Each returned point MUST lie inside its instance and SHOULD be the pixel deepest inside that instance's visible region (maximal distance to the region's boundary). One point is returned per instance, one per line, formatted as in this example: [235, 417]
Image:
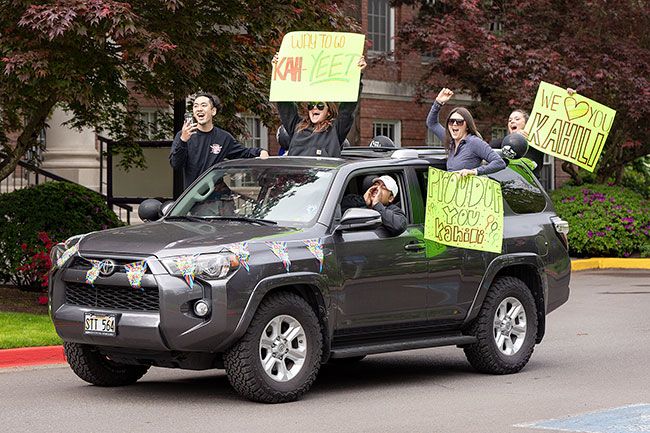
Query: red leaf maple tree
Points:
[499, 51]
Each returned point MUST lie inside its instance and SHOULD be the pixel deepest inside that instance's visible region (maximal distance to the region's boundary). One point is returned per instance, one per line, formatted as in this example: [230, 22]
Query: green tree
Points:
[499, 50]
[89, 56]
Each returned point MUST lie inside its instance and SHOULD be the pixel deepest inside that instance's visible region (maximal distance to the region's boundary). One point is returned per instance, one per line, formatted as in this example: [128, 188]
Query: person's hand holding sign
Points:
[362, 63]
[465, 172]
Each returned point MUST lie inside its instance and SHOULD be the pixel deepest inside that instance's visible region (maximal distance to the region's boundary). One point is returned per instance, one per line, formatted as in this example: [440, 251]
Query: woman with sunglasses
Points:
[516, 124]
[465, 147]
[323, 130]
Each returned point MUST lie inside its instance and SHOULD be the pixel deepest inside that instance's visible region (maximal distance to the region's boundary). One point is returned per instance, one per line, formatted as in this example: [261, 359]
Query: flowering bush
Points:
[36, 263]
[604, 220]
[32, 220]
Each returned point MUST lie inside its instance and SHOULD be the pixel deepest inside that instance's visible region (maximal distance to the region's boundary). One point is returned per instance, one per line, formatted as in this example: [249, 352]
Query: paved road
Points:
[596, 355]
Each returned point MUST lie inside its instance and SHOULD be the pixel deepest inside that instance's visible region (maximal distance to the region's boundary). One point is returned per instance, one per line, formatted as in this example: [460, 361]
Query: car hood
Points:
[164, 239]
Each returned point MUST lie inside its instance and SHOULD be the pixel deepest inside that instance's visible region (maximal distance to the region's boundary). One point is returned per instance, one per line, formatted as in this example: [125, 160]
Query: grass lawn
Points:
[26, 330]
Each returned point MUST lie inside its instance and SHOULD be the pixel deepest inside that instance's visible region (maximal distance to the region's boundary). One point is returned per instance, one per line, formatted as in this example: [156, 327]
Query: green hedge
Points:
[605, 221]
[33, 219]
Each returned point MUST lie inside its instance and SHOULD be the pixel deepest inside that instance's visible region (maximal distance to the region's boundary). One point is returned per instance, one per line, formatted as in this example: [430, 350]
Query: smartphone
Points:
[189, 117]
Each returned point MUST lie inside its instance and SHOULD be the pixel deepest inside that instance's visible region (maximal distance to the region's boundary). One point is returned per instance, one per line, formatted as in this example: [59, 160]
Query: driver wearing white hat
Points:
[380, 197]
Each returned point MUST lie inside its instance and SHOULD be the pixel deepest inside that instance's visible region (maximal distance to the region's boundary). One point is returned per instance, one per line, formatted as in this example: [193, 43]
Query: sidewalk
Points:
[30, 356]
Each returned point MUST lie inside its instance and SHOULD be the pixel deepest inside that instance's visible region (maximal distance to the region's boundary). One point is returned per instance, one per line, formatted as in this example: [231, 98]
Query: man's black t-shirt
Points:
[205, 149]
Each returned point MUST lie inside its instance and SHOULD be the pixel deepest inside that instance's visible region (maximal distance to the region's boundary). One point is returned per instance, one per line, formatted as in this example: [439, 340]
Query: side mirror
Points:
[150, 210]
[166, 206]
[359, 218]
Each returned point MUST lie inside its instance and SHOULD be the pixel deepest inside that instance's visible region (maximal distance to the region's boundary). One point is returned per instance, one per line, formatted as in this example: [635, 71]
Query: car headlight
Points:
[73, 240]
[56, 252]
[208, 266]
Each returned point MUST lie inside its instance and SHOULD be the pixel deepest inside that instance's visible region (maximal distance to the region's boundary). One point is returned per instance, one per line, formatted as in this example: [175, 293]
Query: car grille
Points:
[112, 297]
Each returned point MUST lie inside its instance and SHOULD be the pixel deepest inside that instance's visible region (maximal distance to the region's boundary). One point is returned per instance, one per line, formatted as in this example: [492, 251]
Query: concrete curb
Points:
[28, 356]
[609, 263]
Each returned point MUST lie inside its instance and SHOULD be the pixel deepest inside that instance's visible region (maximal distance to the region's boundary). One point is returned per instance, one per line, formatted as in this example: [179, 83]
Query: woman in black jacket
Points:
[323, 130]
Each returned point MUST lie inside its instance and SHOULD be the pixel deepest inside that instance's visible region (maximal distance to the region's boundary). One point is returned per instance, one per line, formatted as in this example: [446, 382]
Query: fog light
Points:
[201, 308]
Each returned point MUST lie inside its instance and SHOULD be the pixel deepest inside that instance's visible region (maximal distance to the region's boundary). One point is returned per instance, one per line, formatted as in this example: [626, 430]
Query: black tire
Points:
[346, 361]
[243, 360]
[93, 367]
[485, 355]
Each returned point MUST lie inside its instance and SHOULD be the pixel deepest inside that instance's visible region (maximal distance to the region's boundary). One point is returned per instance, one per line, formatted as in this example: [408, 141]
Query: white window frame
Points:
[549, 163]
[433, 140]
[499, 132]
[148, 115]
[397, 129]
[262, 140]
[391, 32]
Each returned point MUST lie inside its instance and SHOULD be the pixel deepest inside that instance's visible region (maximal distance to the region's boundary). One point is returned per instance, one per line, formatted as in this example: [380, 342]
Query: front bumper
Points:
[166, 325]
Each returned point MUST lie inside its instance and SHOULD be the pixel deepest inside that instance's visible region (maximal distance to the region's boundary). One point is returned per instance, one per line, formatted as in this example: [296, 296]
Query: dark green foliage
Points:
[58, 210]
[605, 221]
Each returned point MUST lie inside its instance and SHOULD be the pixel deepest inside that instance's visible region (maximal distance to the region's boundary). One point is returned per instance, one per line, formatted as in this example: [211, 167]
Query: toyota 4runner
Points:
[255, 269]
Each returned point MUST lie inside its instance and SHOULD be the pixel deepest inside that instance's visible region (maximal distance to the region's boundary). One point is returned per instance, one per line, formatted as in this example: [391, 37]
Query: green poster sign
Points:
[464, 212]
[318, 66]
[570, 127]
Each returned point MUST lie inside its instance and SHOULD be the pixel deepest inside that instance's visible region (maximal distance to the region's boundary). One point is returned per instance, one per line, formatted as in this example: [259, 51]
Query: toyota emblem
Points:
[106, 268]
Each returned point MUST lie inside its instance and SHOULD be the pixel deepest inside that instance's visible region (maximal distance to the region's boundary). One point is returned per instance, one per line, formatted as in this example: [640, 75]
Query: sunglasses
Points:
[319, 105]
[456, 122]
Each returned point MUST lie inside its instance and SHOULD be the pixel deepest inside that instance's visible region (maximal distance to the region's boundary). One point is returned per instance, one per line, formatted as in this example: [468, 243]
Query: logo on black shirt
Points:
[215, 149]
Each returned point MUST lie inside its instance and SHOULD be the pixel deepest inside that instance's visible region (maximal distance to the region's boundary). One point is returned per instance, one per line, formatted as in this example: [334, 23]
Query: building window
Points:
[499, 132]
[155, 124]
[547, 177]
[381, 26]
[433, 140]
[257, 134]
[389, 128]
[496, 27]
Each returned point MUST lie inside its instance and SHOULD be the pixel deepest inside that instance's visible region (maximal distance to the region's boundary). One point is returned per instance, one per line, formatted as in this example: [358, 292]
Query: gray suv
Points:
[255, 269]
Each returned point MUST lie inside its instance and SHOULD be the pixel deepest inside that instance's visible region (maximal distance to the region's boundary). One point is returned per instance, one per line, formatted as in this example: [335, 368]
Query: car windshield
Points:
[283, 195]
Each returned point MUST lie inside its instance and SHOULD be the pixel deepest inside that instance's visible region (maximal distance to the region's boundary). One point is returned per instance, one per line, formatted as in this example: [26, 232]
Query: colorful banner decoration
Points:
[93, 272]
[135, 272]
[187, 266]
[464, 212]
[315, 246]
[281, 251]
[318, 66]
[67, 254]
[240, 249]
[570, 127]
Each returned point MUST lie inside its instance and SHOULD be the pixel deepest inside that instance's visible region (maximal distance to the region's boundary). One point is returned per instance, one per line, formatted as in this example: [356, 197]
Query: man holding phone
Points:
[199, 144]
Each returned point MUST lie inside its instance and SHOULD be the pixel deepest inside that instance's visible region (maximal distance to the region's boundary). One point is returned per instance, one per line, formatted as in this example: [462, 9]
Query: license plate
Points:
[99, 324]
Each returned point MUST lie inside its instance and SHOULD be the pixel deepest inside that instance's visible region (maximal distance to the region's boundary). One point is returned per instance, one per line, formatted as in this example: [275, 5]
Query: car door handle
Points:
[414, 246]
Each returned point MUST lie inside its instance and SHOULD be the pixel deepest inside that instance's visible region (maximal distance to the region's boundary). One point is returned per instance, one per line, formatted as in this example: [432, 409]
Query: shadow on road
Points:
[383, 372]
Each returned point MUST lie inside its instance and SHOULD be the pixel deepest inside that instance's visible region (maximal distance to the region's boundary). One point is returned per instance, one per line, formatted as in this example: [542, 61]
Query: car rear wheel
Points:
[506, 328]
[93, 367]
[278, 357]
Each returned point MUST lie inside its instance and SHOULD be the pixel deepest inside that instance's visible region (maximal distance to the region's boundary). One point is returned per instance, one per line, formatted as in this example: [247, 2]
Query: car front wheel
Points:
[278, 357]
[506, 328]
[93, 367]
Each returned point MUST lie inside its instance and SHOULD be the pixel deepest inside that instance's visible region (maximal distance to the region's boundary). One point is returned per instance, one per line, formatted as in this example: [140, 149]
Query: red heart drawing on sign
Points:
[575, 110]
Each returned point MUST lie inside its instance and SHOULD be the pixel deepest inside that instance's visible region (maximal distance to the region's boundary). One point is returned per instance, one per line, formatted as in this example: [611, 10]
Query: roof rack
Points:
[393, 152]
[396, 152]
